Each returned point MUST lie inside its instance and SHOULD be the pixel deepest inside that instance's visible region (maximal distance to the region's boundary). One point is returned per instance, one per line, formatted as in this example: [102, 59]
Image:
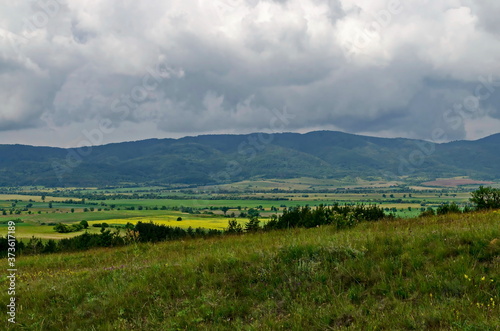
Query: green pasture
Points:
[433, 273]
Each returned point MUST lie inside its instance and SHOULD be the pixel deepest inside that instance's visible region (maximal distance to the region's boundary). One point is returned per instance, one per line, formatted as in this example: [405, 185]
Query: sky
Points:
[75, 73]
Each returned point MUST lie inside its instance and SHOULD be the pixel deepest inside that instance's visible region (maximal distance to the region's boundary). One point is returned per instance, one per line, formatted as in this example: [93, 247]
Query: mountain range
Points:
[215, 159]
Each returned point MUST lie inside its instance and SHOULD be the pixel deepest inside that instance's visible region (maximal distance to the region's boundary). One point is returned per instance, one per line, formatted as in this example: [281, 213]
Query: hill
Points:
[439, 273]
[215, 159]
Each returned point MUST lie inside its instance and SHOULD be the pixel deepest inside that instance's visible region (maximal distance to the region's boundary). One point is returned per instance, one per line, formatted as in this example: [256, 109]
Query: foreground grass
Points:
[434, 273]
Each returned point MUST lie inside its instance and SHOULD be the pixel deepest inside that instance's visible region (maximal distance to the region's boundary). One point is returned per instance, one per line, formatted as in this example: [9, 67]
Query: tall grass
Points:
[440, 272]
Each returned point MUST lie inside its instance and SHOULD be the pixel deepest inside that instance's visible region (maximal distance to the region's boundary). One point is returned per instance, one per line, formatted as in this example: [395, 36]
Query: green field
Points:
[34, 227]
[438, 273]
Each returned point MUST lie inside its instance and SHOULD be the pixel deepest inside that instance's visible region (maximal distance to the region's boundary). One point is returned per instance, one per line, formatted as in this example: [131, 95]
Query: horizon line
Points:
[248, 134]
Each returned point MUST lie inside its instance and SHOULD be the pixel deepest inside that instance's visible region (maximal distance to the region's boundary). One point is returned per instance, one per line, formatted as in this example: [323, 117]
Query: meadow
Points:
[439, 272]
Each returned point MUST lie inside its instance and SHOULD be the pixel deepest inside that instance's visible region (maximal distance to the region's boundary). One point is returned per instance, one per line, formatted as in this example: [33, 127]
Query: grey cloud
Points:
[487, 11]
[229, 63]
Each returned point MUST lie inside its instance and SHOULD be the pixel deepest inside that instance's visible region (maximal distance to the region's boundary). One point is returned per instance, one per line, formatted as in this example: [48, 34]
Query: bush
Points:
[486, 198]
[62, 228]
[65, 228]
[448, 208]
[428, 212]
[252, 225]
[271, 224]
[85, 241]
[233, 227]
[50, 247]
[341, 216]
[344, 221]
[76, 227]
[253, 213]
[150, 232]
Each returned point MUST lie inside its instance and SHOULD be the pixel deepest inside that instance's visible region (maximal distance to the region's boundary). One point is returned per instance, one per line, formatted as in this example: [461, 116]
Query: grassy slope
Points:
[435, 273]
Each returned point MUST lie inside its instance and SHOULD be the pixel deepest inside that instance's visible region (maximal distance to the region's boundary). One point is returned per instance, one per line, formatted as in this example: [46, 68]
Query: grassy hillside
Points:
[432, 273]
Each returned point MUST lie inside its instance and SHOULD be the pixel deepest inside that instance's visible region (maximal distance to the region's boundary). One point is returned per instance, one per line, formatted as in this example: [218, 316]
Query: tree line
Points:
[484, 198]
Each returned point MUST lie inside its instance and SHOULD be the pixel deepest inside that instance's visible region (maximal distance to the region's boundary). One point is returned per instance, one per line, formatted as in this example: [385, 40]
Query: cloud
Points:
[389, 68]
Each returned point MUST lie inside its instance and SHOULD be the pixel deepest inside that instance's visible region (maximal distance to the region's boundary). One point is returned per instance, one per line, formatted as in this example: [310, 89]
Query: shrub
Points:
[62, 228]
[150, 232]
[448, 208]
[428, 212]
[50, 247]
[65, 228]
[233, 227]
[76, 227]
[344, 221]
[252, 225]
[486, 198]
[342, 216]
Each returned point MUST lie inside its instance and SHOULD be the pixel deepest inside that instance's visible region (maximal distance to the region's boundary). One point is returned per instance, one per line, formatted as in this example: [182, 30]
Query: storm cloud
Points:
[138, 69]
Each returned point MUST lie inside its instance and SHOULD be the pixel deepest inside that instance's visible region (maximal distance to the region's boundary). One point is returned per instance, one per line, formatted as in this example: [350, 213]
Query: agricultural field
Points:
[28, 230]
[40, 209]
[302, 184]
[33, 198]
[218, 223]
[454, 182]
[36, 225]
[25, 231]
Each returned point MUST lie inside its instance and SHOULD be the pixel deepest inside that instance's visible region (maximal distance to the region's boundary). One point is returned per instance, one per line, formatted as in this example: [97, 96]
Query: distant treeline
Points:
[340, 216]
[307, 217]
[123, 196]
[108, 194]
[484, 198]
